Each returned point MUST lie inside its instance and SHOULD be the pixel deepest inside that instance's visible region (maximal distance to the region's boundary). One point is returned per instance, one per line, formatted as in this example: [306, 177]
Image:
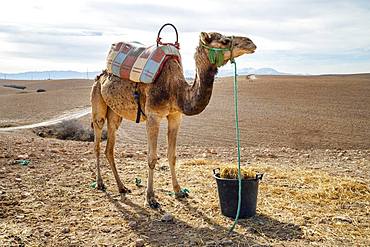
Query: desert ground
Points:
[309, 135]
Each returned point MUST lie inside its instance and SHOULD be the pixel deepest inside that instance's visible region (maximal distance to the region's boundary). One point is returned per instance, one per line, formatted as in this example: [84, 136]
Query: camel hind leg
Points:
[174, 122]
[113, 122]
[98, 114]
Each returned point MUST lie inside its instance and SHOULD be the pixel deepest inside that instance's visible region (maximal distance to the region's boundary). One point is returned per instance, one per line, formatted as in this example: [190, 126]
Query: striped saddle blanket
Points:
[139, 64]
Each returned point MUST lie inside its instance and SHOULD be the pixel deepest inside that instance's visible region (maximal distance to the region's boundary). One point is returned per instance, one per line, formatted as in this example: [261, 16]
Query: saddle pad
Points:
[139, 64]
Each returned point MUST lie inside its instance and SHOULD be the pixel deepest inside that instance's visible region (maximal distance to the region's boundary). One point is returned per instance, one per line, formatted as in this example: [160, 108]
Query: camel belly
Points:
[118, 95]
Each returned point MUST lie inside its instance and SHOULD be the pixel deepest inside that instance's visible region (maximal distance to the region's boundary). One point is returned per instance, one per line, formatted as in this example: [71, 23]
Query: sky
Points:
[293, 36]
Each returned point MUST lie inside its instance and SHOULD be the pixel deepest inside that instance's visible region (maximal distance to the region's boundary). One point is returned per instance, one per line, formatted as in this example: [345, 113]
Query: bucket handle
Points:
[216, 171]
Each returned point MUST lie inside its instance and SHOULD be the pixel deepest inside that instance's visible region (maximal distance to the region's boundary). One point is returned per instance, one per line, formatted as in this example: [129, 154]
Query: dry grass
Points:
[231, 172]
[325, 208]
[50, 202]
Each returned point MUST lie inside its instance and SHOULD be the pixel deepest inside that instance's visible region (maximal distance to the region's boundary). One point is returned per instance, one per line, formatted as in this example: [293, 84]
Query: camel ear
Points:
[205, 38]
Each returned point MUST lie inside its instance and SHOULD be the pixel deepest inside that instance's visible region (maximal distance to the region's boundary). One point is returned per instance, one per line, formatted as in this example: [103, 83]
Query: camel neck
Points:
[194, 99]
[206, 71]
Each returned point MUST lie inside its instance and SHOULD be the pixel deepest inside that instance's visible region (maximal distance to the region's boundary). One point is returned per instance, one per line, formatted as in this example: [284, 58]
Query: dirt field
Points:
[291, 111]
[26, 106]
[310, 136]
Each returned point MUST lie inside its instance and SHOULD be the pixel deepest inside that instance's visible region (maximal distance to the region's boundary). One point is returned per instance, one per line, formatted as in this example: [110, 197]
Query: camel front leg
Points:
[152, 128]
[174, 121]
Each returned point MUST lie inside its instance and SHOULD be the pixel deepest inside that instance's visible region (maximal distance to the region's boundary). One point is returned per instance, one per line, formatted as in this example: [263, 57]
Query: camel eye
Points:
[225, 41]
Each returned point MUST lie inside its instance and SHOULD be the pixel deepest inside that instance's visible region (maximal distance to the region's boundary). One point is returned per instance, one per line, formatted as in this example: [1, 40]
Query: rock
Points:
[323, 221]
[20, 216]
[18, 179]
[139, 242]
[132, 224]
[342, 218]
[65, 230]
[55, 150]
[23, 156]
[211, 151]
[271, 155]
[226, 242]
[10, 162]
[129, 155]
[210, 243]
[25, 195]
[167, 217]
[41, 134]
[47, 234]
[306, 155]
[105, 229]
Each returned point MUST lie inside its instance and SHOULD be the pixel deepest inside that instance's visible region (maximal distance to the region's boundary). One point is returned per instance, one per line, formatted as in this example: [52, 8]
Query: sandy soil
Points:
[18, 107]
[308, 135]
[294, 111]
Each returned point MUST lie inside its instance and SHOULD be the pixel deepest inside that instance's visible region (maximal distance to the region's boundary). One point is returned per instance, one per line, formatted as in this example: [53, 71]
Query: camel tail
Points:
[99, 108]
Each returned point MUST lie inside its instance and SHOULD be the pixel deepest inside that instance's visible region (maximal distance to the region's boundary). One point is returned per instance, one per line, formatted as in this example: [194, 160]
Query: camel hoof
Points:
[152, 202]
[100, 186]
[124, 190]
[181, 194]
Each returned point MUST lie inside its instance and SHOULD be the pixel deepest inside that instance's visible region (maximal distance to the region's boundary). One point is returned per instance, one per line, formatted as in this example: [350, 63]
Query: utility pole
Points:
[87, 73]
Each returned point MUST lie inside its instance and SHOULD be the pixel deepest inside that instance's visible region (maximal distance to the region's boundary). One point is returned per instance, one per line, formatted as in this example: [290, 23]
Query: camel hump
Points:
[138, 63]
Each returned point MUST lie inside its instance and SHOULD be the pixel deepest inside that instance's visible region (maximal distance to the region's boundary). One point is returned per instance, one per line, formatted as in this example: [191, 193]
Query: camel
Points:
[169, 96]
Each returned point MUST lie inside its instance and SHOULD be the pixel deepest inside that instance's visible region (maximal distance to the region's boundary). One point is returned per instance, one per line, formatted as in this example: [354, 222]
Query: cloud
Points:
[298, 36]
[49, 31]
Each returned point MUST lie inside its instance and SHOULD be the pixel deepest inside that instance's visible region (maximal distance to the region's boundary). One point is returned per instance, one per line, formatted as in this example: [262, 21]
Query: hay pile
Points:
[231, 172]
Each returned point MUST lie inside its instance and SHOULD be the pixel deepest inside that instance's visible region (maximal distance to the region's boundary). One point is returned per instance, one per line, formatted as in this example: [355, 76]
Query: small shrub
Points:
[69, 130]
[40, 90]
[16, 87]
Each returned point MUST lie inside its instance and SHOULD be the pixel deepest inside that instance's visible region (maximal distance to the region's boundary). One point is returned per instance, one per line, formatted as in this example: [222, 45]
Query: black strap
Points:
[139, 110]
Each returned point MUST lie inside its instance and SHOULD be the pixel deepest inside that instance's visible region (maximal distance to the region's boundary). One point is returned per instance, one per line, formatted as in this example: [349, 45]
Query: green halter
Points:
[216, 55]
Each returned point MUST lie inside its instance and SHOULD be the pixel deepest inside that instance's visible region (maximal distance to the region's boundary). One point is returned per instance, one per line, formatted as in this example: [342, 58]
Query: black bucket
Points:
[228, 194]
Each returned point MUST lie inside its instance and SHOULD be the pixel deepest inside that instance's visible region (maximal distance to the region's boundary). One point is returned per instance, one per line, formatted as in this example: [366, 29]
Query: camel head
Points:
[225, 46]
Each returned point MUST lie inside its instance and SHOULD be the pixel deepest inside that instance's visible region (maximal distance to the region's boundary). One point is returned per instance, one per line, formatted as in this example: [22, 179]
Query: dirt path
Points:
[67, 116]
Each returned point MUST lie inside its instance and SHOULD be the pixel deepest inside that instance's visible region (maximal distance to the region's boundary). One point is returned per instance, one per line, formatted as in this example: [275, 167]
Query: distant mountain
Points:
[241, 71]
[248, 71]
[69, 74]
[52, 75]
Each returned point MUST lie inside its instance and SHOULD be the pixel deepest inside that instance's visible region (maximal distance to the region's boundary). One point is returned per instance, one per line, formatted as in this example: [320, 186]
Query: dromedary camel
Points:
[169, 96]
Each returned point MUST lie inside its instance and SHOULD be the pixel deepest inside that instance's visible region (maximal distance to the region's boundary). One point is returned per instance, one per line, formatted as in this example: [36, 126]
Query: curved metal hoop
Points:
[176, 44]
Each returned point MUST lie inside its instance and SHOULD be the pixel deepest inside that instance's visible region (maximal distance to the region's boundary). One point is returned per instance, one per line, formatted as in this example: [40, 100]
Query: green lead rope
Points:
[216, 56]
[238, 145]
